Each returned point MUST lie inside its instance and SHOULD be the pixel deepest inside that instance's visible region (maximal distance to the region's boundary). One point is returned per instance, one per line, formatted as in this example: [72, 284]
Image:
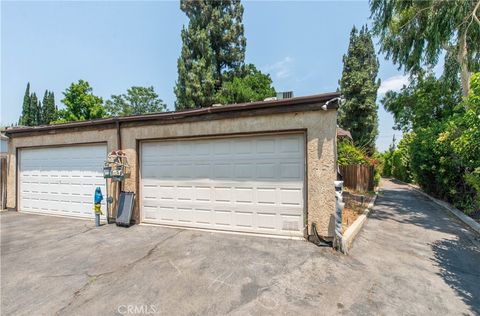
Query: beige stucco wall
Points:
[320, 129]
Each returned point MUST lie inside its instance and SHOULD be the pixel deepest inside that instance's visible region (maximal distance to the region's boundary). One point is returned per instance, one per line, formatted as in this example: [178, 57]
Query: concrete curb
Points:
[459, 214]
[352, 231]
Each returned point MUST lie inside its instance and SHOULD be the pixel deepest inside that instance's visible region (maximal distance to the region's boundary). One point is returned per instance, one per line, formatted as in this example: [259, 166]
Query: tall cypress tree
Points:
[33, 110]
[52, 100]
[359, 85]
[25, 118]
[49, 110]
[39, 113]
[45, 108]
[213, 48]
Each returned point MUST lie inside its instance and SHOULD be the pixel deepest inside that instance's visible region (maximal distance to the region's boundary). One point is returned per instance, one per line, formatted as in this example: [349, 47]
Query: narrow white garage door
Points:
[61, 180]
[250, 184]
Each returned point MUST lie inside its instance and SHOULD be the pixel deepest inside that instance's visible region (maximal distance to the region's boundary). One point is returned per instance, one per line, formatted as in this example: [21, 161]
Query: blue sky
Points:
[114, 45]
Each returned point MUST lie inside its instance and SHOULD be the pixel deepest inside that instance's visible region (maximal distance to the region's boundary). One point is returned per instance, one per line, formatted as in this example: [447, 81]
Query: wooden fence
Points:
[3, 182]
[358, 177]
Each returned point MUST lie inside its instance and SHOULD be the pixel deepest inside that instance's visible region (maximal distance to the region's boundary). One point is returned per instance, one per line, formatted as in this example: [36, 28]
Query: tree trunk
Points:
[463, 62]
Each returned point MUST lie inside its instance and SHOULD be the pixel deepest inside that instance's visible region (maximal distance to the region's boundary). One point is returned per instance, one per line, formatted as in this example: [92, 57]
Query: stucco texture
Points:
[319, 127]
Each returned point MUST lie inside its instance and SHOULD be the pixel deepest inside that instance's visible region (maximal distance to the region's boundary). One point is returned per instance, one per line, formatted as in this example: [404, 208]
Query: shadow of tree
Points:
[408, 210]
[459, 263]
[458, 257]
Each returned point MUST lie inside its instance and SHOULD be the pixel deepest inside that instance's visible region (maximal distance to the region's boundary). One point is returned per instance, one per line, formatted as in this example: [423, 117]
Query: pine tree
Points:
[213, 49]
[49, 110]
[25, 118]
[39, 113]
[359, 85]
[34, 116]
[45, 108]
[52, 99]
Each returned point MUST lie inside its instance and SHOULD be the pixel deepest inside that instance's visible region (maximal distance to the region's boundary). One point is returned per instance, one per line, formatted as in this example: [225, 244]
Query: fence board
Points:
[358, 177]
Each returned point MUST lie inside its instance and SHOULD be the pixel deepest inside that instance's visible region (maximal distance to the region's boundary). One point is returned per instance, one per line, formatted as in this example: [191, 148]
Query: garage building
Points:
[261, 167]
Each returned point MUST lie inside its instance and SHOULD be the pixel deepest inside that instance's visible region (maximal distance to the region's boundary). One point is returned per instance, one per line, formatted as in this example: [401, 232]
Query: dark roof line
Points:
[317, 98]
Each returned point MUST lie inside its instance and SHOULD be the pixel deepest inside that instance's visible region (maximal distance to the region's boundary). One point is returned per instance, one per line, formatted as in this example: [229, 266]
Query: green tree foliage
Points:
[49, 109]
[35, 110]
[26, 118]
[462, 133]
[398, 162]
[213, 47]
[359, 85]
[251, 85]
[415, 33]
[81, 104]
[441, 154]
[464, 130]
[348, 154]
[387, 163]
[138, 100]
[423, 101]
[386, 159]
[401, 161]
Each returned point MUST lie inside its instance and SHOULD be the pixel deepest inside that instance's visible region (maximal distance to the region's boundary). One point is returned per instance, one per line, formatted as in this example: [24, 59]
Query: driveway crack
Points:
[149, 252]
[76, 234]
[92, 278]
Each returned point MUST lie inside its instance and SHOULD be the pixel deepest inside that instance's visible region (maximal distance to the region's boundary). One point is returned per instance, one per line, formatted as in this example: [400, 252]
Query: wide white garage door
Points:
[61, 180]
[250, 184]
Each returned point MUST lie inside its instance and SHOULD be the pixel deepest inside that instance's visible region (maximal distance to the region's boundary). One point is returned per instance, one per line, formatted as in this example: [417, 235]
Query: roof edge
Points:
[331, 100]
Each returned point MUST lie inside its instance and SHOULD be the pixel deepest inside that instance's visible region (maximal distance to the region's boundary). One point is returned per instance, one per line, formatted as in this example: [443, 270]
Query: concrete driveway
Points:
[410, 259]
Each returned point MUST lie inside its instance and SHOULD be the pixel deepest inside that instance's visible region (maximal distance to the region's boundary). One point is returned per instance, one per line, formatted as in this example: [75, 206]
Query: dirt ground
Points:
[355, 204]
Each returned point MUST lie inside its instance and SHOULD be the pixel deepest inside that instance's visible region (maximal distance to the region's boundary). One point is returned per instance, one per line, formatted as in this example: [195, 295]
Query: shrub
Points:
[348, 154]
[379, 163]
[387, 163]
[442, 154]
[400, 161]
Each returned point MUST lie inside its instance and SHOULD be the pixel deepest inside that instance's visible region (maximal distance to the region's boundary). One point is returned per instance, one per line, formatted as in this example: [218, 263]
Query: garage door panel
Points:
[203, 193]
[244, 195]
[291, 222]
[203, 216]
[61, 180]
[185, 215]
[291, 196]
[267, 220]
[252, 184]
[223, 218]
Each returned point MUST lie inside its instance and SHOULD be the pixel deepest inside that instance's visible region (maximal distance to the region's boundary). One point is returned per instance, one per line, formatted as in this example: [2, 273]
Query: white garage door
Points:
[250, 184]
[61, 180]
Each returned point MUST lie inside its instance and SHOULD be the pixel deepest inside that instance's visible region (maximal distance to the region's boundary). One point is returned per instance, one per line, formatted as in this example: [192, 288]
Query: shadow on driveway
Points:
[411, 258]
[459, 267]
[457, 254]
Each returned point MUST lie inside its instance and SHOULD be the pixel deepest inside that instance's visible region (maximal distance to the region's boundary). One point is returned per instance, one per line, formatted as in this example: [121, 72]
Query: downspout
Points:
[119, 135]
[119, 145]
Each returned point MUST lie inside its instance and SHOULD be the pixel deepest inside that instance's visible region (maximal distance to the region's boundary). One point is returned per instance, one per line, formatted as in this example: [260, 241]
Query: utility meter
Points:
[107, 171]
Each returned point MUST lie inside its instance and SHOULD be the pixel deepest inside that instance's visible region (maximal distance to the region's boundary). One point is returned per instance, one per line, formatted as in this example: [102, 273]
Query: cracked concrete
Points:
[411, 258]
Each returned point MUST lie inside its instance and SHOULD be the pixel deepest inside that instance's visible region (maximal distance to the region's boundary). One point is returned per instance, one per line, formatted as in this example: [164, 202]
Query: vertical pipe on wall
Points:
[119, 135]
[119, 147]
